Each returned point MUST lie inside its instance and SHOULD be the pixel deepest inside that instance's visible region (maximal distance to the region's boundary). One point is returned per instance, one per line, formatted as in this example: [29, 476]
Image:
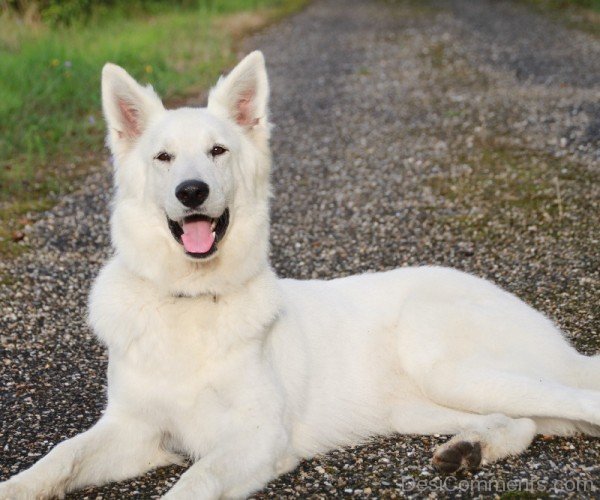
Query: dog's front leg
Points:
[238, 467]
[116, 448]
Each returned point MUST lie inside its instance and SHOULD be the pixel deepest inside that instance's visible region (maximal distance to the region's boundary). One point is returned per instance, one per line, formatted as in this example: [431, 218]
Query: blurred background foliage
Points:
[587, 4]
[569, 7]
[51, 56]
[69, 12]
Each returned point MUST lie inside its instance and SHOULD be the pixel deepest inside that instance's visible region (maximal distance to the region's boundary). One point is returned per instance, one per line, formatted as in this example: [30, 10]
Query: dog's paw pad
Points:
[455, 456]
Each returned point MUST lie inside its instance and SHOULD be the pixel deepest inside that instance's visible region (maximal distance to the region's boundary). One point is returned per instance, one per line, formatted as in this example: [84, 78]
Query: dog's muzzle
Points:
[199, 234]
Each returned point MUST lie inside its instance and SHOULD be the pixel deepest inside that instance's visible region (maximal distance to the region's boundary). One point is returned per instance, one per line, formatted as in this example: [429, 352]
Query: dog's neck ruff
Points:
[263, 273]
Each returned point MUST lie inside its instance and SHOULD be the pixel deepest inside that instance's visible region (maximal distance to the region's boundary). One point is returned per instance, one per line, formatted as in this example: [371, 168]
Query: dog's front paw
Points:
[16, 490]
[202, 487]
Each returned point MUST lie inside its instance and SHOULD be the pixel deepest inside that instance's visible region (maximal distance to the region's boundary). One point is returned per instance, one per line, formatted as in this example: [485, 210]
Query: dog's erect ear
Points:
[243, 95]
[128, 107]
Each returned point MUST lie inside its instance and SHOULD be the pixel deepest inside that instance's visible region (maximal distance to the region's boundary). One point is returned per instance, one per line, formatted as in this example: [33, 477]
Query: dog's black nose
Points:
[192, 193]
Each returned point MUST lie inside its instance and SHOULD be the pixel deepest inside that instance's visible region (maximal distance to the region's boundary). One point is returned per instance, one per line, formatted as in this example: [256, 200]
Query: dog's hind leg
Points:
[564, 427]
[478, 439]
[476, 388]
[114, 449]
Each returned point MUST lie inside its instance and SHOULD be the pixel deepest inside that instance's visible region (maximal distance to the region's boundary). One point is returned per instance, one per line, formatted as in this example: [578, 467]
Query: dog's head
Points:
[191, 207]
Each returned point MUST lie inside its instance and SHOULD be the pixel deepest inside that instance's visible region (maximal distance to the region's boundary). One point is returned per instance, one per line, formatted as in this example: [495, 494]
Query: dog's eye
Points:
[217, 150]
[163, 156]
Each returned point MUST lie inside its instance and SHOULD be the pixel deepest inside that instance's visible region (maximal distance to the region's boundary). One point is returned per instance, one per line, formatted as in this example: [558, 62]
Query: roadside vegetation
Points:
[561, 4]
[578, 14]
[51, 55]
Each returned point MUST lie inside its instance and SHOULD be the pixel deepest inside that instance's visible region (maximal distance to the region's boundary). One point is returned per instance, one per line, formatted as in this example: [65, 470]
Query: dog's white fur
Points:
[245, 373]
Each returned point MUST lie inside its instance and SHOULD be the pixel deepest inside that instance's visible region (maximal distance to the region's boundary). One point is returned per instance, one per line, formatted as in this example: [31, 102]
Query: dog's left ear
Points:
[243, 95]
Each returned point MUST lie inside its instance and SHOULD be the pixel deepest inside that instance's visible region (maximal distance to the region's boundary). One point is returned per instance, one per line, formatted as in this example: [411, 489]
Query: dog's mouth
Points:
[199, 234]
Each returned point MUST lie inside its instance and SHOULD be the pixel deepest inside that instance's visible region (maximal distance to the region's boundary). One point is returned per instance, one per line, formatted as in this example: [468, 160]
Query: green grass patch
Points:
[499, 187]
[578, 14]
[51, 127]
[568, 4]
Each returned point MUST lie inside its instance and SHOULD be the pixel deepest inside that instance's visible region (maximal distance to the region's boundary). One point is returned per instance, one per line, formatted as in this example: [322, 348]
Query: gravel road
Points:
[461, 133]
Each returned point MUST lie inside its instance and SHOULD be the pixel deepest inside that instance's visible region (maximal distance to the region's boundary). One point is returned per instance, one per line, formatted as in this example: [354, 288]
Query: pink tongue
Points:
[197, 236]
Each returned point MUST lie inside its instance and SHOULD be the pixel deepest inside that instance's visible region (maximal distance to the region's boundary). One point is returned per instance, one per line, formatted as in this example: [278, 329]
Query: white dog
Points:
[213, 357]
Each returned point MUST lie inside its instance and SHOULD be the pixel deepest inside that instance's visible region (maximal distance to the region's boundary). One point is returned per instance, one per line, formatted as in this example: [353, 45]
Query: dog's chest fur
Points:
[187, 364]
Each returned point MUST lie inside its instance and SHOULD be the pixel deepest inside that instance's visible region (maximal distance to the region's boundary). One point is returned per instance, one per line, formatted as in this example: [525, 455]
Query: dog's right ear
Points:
[128, 107]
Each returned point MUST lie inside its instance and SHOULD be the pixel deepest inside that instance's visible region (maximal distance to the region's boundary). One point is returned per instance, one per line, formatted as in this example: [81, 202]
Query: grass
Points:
[51, 128]
[566, 4]
[500, 187]
[579, 14]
